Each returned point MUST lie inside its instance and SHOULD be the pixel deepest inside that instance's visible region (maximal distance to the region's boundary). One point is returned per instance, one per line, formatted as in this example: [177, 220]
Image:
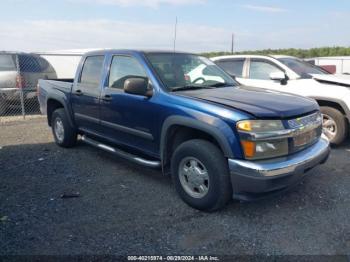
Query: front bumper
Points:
[256, 179]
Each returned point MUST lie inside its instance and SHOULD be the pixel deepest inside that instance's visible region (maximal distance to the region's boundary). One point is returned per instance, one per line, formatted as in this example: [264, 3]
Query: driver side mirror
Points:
[279, 76]
[137, 86]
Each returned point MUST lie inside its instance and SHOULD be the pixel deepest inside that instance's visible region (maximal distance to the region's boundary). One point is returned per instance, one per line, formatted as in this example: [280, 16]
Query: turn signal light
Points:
[249, 148]
[245, 126]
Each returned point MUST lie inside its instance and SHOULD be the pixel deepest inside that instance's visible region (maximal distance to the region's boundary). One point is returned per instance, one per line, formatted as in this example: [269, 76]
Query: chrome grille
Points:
[307, 130]
[306, 121]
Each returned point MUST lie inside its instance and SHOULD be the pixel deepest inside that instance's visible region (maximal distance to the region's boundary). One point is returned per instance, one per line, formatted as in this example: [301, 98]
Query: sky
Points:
[203, 25]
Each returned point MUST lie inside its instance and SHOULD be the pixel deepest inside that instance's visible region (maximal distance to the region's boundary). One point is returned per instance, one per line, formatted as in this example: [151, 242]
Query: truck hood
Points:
[257, 102]
[343, 80]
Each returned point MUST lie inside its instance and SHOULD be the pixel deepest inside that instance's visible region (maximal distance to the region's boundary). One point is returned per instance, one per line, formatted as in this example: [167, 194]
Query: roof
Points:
[250, 56]
[13, 52]
[282, 56]
[77, 52]
[132, 51]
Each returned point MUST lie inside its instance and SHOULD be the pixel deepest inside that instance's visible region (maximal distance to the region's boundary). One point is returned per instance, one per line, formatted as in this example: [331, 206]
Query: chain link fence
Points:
[19, 76]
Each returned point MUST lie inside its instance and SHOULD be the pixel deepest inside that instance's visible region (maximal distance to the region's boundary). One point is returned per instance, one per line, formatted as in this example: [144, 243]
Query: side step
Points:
[128, 156]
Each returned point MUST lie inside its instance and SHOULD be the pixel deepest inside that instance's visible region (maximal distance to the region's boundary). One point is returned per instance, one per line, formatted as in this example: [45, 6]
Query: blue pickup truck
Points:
[181, 113]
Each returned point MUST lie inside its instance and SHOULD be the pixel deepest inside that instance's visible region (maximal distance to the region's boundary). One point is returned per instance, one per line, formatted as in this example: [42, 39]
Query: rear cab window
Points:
[7, 62]
[45, 66]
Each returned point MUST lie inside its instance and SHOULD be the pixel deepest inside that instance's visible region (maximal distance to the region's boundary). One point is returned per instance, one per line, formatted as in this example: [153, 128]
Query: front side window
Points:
[92, 70]
[122, 68]
[181, 71]
[7, 63]
[232, 67]
[262, 69]
[302, 68]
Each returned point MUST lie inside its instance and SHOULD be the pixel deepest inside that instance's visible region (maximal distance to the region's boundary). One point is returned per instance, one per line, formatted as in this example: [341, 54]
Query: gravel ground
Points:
[125, 209]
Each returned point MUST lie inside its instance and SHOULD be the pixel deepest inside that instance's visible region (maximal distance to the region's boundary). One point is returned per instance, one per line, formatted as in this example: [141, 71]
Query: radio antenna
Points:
[232, 42]
[175, 34]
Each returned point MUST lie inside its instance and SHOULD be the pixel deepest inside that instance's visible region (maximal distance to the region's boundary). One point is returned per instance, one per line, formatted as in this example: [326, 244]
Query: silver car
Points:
[19, 75]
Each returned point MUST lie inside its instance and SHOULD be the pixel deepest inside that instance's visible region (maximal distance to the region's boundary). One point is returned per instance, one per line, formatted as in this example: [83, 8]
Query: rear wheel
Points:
[64, 134]
[200, 175]
[334, 125]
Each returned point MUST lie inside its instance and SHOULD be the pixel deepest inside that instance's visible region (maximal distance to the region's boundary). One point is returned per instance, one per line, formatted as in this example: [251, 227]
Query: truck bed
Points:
[57, 83]
[57, 88]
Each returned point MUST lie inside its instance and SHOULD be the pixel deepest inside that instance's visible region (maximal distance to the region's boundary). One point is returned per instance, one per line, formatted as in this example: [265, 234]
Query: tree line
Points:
[302, 53]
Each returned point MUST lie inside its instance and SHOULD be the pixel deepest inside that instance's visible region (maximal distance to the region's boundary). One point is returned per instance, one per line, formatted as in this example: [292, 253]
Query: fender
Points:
[60, 97]
[342, 104]
[195, 124]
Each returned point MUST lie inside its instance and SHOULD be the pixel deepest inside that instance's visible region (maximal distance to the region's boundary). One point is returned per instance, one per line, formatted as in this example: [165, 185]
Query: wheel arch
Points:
[335, 103]
[178, 129]
[53, 103]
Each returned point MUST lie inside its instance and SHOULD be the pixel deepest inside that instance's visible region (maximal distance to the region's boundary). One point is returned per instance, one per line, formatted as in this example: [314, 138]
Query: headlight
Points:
[260, 125]
[261, 139]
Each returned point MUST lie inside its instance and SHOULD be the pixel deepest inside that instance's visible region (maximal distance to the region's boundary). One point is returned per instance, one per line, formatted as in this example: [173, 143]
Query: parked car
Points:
[332, 69]
[337, 64]
[20, 72]
[217, 139]
[292, 75]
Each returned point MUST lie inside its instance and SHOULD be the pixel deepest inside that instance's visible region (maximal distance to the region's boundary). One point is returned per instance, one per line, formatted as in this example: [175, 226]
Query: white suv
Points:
[292, 75]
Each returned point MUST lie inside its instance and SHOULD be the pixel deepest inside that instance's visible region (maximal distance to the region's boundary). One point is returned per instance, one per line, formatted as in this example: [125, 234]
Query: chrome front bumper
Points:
[253, 179]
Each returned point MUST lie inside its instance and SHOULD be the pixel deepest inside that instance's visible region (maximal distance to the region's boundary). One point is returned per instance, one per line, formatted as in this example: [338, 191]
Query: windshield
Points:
[302, 68]
[186, 71]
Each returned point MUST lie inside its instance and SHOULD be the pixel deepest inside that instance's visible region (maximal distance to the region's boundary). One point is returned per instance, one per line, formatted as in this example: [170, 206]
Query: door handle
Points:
[78, 92]
[107, 98]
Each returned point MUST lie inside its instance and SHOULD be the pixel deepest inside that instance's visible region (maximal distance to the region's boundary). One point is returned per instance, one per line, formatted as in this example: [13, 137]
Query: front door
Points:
[126, 118]
[258, 75]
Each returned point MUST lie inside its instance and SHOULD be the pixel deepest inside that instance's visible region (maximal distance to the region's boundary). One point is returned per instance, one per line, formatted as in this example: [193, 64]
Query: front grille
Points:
[305, 121]
[308, 130]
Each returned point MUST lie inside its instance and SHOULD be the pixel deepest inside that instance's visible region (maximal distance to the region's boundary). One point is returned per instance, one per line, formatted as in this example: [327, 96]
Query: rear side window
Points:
[122, 68]
[232, 67]
[45, 65]
[29, 64]
[92, 70]
[7, 63]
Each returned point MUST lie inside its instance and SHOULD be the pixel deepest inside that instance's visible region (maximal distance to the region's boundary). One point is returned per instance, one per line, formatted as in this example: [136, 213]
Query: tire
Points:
[209, 158]
[337, 129]
[64, 134]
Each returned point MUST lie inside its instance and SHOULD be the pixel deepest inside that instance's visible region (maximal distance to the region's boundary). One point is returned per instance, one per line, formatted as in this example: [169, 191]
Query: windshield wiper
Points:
[194, 87]
[219, 84]
[189, 87]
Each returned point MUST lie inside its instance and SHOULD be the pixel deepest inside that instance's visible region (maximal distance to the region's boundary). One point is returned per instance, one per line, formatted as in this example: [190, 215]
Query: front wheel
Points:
[64, 134]
[200, 175]
[334, 125]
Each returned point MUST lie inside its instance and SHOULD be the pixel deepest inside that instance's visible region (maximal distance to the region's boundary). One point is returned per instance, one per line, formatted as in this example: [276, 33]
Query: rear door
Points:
[233, 66]
[86, 94]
